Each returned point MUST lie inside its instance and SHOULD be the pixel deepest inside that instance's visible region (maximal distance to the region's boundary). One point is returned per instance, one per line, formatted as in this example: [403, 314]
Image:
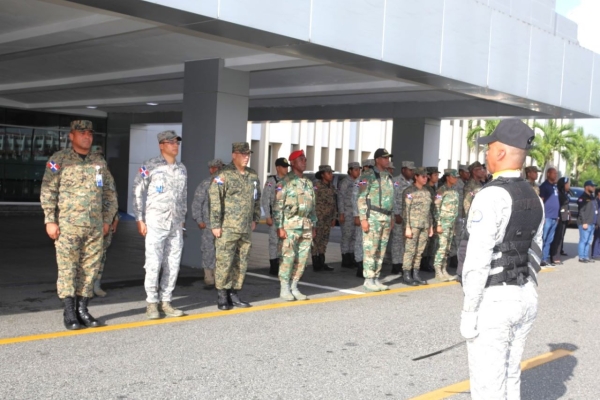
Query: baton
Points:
[435, 353]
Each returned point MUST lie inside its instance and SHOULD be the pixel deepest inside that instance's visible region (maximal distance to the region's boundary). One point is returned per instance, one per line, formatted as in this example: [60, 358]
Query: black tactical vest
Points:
[525, 219]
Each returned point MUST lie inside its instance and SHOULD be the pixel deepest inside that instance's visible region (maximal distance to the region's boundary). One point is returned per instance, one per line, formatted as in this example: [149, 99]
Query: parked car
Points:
[574, 194]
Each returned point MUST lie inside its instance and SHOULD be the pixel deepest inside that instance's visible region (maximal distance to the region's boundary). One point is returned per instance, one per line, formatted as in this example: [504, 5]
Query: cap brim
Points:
[487, 139]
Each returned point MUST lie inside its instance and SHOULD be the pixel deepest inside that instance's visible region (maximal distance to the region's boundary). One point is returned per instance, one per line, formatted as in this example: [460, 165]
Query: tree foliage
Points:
[480, 131]
[550, 138]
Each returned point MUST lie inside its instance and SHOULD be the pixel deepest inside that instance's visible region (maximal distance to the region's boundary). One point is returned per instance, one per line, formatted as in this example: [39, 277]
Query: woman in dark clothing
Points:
[596, 242]
[564, 216]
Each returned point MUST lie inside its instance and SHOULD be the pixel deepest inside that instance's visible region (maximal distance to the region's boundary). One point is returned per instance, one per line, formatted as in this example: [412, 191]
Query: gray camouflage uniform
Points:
[160, 200]
[267, 202]
[346, 206]
[201, 213]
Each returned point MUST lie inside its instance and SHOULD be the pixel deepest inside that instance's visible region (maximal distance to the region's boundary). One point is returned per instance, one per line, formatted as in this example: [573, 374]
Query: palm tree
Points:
[480, 131]
[584, 151]
[550, 139]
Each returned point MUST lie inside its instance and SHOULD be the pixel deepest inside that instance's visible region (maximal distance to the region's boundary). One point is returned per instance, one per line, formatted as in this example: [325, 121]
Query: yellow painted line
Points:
[465, 386]
[235, 311]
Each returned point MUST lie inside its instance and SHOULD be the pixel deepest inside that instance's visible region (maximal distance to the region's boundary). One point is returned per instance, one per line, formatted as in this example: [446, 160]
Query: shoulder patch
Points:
[315, 187]
[477, 216]
[409, 196]
[143, 171]
[218, 180]
[580, 200]
[54, 167]
[279, 187]
[438, 196]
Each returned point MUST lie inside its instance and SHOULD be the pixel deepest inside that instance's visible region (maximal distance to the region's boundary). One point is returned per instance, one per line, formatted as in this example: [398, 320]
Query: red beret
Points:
[296, 154]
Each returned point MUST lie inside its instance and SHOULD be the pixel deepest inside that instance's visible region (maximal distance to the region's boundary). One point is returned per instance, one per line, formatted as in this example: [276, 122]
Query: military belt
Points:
[381, 210]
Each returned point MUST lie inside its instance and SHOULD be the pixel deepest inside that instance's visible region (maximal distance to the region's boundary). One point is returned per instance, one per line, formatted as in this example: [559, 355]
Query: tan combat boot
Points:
[370, 285]
[169, 310]
[380, 285]
[209, 278]
[97, 289]
[439, 274]
[285, 293]
[296, 293]
[449, 278]
[152, 311]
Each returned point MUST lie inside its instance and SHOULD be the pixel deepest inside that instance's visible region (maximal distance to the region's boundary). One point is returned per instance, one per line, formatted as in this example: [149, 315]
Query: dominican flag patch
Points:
[396, 184]
[278, 188]
[438, 196]
[269, 184]
[144, 171]
[360, 183]
[54, 167]
[409, 196]
[315, 188]
[218, 180]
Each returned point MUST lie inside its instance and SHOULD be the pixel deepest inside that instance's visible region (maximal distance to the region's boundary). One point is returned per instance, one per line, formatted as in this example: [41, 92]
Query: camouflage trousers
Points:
[273, 243]
[294, 251]
[414, 248]
[78, 254]
[397, 239]
[163, 256]
[358, 244]
[442, 245]
[458, 227]
[105, 246]
[374, 245]
[322, 239]
[233, 249]
[348, 236]
[207, 247]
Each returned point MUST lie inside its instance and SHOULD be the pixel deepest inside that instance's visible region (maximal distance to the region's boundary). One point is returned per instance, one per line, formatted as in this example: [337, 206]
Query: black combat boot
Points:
[274, 268]
[359, 269]
[323, 265]
[83, 315]
[316, 263]
[223, 300]
[425, 264]
[235, 300]
[417, 278]
[346, 261]
[351, 262]
[69, 315]
[408, 280]
[397, 268]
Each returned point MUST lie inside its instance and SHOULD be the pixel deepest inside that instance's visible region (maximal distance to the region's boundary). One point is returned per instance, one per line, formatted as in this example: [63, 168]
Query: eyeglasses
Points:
[177, 142]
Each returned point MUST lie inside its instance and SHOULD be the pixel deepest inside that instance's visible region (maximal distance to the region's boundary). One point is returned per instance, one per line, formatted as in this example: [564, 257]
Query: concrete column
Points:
[416, 140]
[215, 114]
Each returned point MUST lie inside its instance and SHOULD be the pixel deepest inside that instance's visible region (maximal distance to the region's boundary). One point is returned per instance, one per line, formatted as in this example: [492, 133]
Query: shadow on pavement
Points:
[549, 381]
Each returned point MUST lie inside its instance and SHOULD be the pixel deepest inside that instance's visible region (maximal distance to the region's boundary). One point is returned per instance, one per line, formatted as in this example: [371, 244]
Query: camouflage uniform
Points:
[535, 186]
[294, 211]
[201, 214]
[417, 215]
[160, 201]
[268, 203]
[460, 221]
[345, 207]
[469, 192]
[397, 237]
[235, 204]
[446, 212]
[79, 195]
[325, 199]
[358, 233]
[375, 205]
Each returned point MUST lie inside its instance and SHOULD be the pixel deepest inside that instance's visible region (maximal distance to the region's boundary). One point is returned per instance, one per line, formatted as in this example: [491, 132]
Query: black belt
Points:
[381, 210]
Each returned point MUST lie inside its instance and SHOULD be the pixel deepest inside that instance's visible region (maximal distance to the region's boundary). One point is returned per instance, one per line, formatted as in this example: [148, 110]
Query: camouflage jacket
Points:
[201, 203]
[326, 201]
[470, 190]
[78, 191]
[267, 200]
[417, 210]
[535, 186]
[234, 199]
[460, 187]
[160, 193]
[344, 198]
[294, 203]
[446, 206]
[400, 183]
[374, 191]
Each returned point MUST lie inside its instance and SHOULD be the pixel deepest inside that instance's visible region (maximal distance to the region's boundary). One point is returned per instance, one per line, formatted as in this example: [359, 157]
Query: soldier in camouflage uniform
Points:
[531, 174]
[159, 206]
[268, 202]
[295, 218]
[446, 211]
[473, 185]
[358, 238]
[234, 213]
[201, 214]
[418, 220]
[326, 204]
[375, 207]
[401, 182]
[463, 173]
[346, 216]
[79, 202]
[433, 177]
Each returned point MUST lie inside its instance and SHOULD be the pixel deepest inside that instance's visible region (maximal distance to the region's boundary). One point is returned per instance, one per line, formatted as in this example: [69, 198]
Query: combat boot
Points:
[285, 293]
[359, 269]
[152, 311]
[316, 263]
[408, 280]
[347, 262]
[69, 315]
[85, 318]
[209, 278]
[169, 310]
[381, 286]
[274, 267]
[351, 262]
[449, 278]
[323, 265]
[97, 289]
[425, 264]
[370, 285]
[234, 299]
[397, 268]
[417, 278]
[296, 293]
[223, 300]
[439, 274]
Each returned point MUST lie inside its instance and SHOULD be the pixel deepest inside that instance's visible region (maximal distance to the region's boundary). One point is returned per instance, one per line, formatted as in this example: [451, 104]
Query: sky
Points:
[586, 13]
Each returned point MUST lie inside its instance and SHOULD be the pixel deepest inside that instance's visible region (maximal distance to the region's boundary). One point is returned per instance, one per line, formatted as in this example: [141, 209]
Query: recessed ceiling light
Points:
[92, 107]
[152, 104]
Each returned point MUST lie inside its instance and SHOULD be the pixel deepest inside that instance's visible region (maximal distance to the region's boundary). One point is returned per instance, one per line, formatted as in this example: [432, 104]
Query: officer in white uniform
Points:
[499, 282]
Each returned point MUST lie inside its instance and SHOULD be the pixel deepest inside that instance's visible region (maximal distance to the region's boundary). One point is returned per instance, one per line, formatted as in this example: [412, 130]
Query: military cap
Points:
[391, 165]
[353, 164]
[532, 168]
[451, 172]
[282, 162]
[325, 168]
[167, 135]
[82, 125]
[463, 167]
[512, 132]
[241, 147]
[382, 153]
[408, 164]
[476, 164]
[421, 171]
[432, 170]
[296, 154]
[589, 183]
[369, 162]
[215, 163]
